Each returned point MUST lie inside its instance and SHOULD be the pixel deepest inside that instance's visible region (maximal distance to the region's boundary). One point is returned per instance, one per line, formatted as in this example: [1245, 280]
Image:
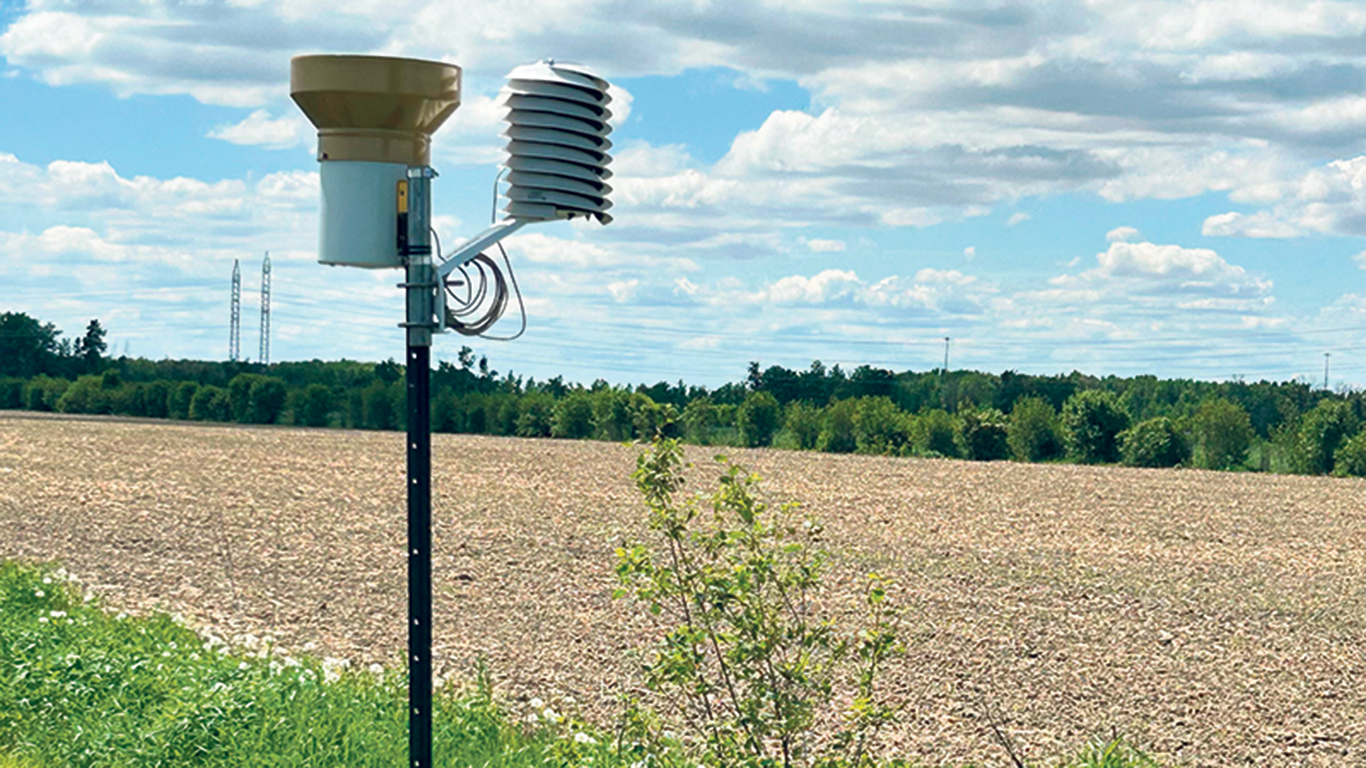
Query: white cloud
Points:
[260, 129]
[623, 290]
[818, 245]
[1122, 235]
[1328, 200]
[1019, 217]
[970, 253]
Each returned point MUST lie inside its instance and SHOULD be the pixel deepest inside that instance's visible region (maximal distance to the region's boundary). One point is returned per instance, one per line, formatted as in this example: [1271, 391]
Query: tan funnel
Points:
[374, 108]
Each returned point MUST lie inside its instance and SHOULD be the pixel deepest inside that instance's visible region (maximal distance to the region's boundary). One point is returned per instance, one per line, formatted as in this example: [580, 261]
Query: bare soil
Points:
[1215, 619]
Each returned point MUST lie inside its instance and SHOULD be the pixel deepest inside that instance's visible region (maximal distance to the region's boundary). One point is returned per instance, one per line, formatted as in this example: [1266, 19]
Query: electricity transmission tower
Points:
[264, 357]
[235, 334]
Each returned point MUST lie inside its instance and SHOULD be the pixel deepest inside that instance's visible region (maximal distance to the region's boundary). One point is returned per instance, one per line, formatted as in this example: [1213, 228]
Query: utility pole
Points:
[264, 357]
[235, 333]
[943, 373]
[1326, 356]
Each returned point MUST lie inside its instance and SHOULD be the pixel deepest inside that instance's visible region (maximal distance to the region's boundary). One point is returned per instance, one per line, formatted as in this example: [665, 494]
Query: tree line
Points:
[1138, 421]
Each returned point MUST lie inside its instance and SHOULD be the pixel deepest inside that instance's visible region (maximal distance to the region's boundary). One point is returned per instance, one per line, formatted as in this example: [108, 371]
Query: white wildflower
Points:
[39, 593]
[583, 738]
[536, 703]
[551, 715]
[244, 666]
[42, 619]
[332, 669]
[58, 614]
[47, 580]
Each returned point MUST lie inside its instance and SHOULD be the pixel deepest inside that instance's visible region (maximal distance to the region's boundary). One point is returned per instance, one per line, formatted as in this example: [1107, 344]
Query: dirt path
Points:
[1216, 619]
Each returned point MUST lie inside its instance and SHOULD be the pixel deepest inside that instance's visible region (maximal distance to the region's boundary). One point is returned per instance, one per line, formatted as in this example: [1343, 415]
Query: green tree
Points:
[758, 419]
[611, 416]
[86, 395]
[11, 393]
[880, 427]
[312, 406]
[268, 397]
[804, 422]
[1350, 459]
[1153, 443]
[837, 428]
[211, 404]
[535, 414]
[699, 419]
[378, 407]
[984, 434]
[1223, 434]
[158, 399]
[91, 347]
[573, 417]
[1322, 431]
[1092, 420]
[933, 434]
[44, 392]
[27, 347]
[239, 395]
[182, 399]
[1033, 431]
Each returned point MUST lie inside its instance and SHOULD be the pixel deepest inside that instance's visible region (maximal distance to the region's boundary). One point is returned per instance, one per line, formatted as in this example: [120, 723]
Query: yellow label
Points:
[403, 196]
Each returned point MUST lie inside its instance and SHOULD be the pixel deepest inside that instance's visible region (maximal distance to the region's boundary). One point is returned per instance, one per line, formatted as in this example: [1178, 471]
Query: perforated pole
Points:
[417, 253]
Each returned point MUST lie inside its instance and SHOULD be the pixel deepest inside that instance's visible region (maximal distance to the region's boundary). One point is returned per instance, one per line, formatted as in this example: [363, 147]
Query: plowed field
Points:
[1216, 619]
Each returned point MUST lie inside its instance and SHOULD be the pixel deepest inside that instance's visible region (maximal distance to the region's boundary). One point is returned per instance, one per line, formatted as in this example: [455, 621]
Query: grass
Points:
[80, 686]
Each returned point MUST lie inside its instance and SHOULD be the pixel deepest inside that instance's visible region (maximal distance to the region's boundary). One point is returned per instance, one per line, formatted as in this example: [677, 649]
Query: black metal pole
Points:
[419, 558]
[415, 212]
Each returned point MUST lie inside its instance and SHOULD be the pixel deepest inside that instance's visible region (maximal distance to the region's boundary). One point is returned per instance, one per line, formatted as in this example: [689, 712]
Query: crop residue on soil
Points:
[1216, 619]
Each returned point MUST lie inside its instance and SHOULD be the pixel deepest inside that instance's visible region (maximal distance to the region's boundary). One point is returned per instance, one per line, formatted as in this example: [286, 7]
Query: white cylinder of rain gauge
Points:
[359, 226]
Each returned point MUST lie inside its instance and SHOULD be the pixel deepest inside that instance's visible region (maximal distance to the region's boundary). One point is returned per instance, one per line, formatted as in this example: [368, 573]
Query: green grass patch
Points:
[86, 688]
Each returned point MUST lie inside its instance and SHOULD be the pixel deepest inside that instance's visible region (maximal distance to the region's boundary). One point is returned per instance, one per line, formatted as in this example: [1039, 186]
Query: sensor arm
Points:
[462, 255]
[477, 244]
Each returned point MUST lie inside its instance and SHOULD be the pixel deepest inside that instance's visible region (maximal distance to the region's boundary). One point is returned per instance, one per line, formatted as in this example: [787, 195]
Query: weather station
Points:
[375, 117]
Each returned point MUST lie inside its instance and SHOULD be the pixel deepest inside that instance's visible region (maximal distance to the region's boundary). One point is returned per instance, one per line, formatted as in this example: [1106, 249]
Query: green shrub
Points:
[43, 392]
[11, 393]
[211, 404]
[573, 417]
[803, 421]
[1092, 420]
[239, 396]
[267, 398]
[650, 419]
[181, 398]
[611, 415]
[837, 428]
[757, 419]
[880, 427]
[700, 418]
[1153, 443]
[984, 435]
[85, 395]
[535, 414]
[157, 401]
[732, 582]
[312, 406]
[933, 433]
[1223, 434]
[1350, 459]
[1033, 431]
[1321, 432]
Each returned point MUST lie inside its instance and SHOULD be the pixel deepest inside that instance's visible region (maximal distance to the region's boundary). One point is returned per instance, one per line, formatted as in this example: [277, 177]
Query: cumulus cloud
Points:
[1019, 217]
[260, 129]
[1327, 200]
[921, 114]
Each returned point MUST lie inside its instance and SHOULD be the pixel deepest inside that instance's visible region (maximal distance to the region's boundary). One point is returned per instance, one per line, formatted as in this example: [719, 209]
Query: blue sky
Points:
[1115, 186]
